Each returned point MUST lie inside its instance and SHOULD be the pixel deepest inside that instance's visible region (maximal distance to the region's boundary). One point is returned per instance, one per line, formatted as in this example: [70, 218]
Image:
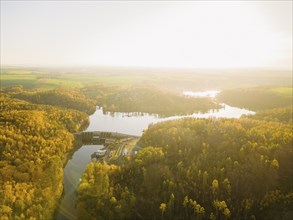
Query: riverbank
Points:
[68, 156]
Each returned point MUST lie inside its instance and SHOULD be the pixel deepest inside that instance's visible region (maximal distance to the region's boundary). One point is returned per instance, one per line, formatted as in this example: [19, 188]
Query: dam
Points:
[101, 137]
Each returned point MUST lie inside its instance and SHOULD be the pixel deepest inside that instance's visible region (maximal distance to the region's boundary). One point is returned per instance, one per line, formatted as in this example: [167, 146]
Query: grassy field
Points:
[171, 79]
[32, 79]
[288, 91]
[21, 78]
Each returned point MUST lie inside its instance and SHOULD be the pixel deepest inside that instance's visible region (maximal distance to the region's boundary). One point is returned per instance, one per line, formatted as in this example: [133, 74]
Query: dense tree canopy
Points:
[197, 169]
[259, 98]
[65, 98]
[34, 140]
[283, 115]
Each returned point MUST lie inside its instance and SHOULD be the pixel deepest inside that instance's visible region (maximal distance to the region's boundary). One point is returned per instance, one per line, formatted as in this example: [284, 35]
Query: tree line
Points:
[256, 99]
[148, 100]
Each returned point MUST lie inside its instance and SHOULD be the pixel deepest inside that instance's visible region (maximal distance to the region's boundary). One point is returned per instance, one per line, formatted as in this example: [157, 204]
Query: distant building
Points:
[100, 152]
[124, 152]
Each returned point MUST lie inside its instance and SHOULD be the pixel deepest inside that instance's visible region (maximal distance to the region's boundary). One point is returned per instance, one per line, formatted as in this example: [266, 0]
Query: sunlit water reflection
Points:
[72, 174]
[135, 123]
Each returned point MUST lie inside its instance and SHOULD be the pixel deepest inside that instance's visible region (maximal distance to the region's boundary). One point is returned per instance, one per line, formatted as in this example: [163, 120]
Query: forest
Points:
[146, 110]
[37, 127]
[115, 99]
[34, 142]
[197, 169]
[149, 100]
[185, 169]
[258, 98]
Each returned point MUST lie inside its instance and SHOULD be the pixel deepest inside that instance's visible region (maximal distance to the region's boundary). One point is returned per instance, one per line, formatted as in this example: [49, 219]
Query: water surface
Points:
[135, 123]
[208, 93]
[72, 174]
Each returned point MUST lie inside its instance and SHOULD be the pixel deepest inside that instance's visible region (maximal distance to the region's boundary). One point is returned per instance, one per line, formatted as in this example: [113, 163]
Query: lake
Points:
[135, 123]
[126, 123]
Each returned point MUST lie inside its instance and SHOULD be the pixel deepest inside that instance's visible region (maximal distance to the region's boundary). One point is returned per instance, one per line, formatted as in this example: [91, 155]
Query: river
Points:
[127, 123]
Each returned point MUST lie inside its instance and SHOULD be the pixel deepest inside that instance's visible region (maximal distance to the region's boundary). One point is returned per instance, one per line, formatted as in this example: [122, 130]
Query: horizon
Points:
[96, 67]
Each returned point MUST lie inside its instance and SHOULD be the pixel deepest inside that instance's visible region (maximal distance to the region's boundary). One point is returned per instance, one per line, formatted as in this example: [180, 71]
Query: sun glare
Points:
[212, 34]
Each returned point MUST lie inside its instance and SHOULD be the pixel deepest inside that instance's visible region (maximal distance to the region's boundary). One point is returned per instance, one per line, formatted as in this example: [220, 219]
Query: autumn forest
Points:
[186, 168]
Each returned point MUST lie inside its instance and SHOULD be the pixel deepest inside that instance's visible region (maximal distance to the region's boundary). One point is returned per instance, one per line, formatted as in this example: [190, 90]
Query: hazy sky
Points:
[189, 34]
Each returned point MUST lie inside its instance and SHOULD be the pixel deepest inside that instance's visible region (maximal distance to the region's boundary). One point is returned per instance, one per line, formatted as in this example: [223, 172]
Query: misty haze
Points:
[146, 110]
